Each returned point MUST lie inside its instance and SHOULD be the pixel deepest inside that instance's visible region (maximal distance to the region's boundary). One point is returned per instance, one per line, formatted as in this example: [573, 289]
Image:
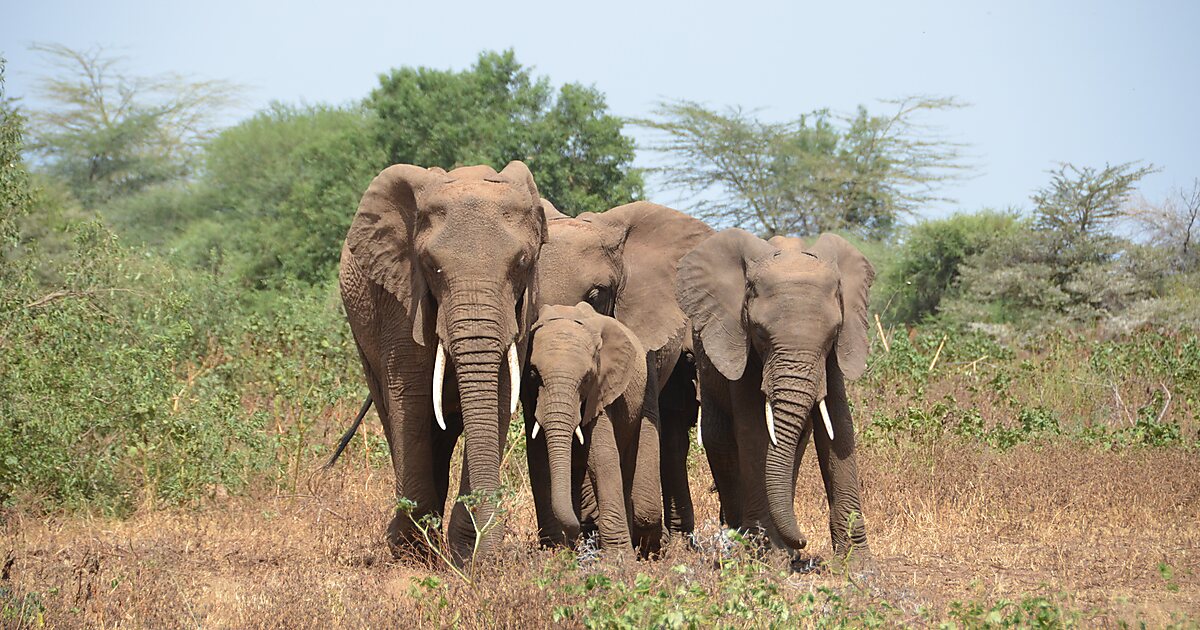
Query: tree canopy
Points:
[1066, 263]
[815, 173]
[497, 111]
[106, 133]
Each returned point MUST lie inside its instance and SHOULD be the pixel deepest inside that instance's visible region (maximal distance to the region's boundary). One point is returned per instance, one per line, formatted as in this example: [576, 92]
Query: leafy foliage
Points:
[806, 176]
[16, 191]
[287, 181]
[497, 111]
[1066, 265]
[927, 265]
[106, 133]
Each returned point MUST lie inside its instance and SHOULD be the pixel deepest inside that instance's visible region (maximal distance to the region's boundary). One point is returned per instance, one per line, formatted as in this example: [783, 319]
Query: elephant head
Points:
[801, 313]
[458, 250]
[580, 362]
[622, 262]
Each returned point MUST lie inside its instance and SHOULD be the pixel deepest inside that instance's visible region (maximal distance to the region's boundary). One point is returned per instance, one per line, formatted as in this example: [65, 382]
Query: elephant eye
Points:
[600, 298]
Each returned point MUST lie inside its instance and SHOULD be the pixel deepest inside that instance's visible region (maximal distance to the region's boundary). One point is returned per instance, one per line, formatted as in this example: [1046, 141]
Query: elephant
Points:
[438, 281]
[622, 262]
[778, 328]
[590, 373]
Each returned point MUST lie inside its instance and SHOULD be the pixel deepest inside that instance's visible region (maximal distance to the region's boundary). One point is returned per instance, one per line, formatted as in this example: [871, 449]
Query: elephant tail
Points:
[349, 434]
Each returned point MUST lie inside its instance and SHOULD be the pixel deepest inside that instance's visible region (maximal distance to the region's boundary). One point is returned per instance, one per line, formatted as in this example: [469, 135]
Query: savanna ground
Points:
[1033, 486]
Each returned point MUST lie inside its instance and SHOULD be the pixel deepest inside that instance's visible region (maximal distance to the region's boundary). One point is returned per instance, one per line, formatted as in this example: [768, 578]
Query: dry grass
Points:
[948, 521]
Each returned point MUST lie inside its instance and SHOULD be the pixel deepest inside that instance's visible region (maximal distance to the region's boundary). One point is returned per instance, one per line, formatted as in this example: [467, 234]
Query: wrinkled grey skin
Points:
[443, 257]
[623, 263]
[589, 372]
[786, 323]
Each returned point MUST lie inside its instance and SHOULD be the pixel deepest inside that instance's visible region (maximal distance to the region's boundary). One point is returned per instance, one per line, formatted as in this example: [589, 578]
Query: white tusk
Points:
[771, 424]
[699, 437]
[439, 374]
[536, 427]
[514, 379]
[825, 417]
[579, 434]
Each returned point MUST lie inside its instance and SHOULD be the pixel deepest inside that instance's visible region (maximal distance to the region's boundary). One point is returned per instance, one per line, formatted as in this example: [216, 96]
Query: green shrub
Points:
[927, 261]
[133, 381]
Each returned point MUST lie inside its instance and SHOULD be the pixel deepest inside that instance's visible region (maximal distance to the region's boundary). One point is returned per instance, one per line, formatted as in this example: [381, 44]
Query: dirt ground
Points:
[1114, 534]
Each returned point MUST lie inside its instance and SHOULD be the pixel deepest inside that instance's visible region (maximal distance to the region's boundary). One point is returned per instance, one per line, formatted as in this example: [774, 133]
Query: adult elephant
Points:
[778, 328]
[437, 277]
[622, 262]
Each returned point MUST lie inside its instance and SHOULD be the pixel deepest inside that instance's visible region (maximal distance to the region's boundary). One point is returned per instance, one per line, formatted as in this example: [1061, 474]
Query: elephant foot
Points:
[858, 565]
[648, 542]
[406, 541]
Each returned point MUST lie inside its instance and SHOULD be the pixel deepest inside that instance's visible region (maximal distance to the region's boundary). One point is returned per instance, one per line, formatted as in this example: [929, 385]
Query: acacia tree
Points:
[497, 111]
[1067, 263]
[106, 133]
[818, 172]
[1084, 202]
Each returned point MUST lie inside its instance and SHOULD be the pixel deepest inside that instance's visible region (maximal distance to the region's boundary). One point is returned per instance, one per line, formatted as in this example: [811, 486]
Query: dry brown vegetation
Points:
[1026, 487]
[1088, 528]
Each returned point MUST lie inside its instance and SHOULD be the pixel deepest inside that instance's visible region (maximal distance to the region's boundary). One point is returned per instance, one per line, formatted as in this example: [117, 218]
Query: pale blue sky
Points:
[1085, 82]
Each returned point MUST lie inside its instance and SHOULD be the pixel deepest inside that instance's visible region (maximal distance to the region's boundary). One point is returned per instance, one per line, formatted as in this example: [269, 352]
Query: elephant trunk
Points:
[560, 419]
[789, 401]
[477, 345]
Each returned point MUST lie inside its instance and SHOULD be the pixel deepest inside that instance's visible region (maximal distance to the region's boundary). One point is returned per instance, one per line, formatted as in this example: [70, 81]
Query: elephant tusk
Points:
[536, 427]
[825, 417]
[771, 423]
[439, 374]
[514, 379]
[579, 434]
[699, 437]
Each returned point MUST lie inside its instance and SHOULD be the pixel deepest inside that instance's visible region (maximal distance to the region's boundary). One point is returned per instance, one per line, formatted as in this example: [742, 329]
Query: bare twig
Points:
[938, 353]
[1166, 405]
[58, 295]
[976, 362]
[1121, 404]
[882, 337]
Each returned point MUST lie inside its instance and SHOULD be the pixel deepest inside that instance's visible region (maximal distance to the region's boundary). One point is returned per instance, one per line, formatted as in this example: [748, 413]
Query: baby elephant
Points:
[593, 433]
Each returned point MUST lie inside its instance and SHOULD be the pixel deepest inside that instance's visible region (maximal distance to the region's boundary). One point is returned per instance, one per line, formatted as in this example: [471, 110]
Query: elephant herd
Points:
[466, 293]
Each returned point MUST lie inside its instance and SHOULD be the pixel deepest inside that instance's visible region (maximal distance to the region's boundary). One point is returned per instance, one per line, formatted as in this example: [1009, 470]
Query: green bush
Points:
[927, 262]
[133, 381]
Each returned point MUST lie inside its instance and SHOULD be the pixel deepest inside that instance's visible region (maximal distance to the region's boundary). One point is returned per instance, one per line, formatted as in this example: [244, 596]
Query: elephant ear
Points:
[517, 173]
[381, 236]
[656, 237]
[712, 291]
[551, 213]
[620, 356]
[857, 275]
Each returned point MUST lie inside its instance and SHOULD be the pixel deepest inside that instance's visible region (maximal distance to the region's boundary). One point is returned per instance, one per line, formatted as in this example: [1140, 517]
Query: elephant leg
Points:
[443, 449]
[677, 410]
[583, 494]
[407, 415]
[750, 436]
[604, 475]
[720, 447]
[644, 489]
[839, 471]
